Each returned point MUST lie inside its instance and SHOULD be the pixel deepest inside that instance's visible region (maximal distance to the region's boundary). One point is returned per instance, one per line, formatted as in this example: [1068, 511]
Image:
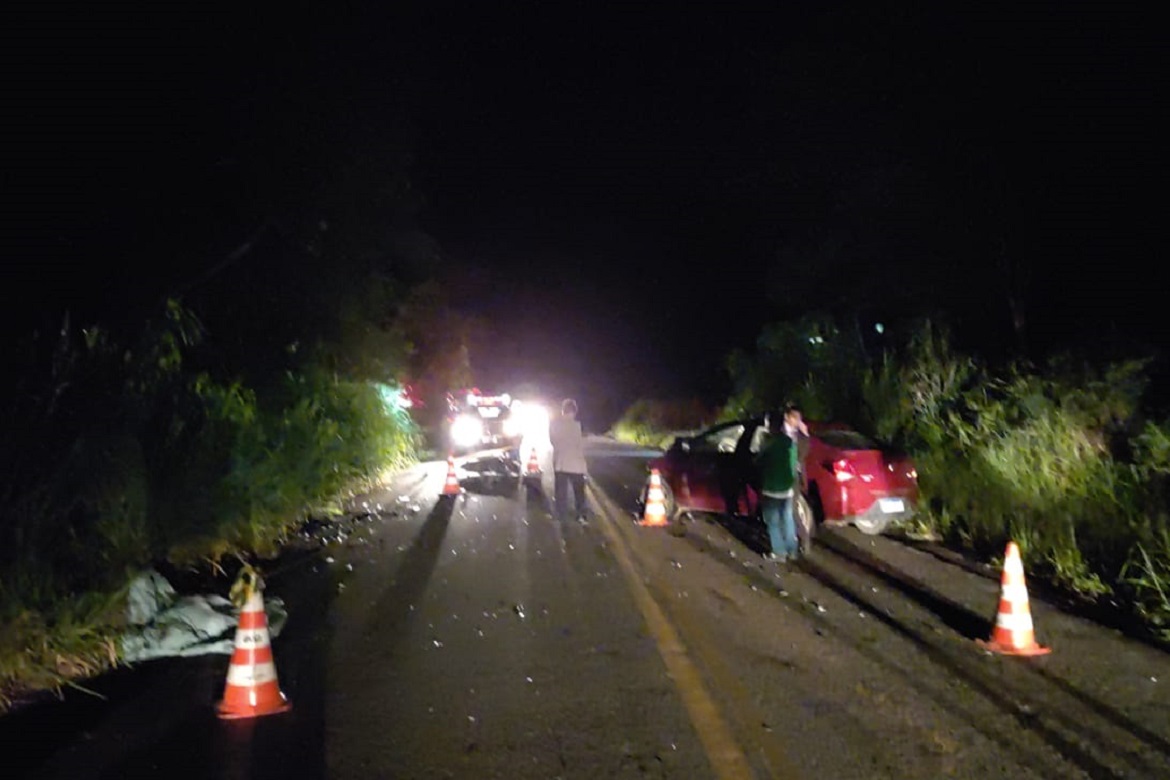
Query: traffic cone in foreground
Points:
[1013, 633]
[654, 513]
[533, 463]
[451, 486]
[252, 689]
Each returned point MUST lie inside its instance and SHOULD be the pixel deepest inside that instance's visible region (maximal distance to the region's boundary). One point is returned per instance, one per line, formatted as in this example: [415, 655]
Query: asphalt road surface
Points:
[480, 637]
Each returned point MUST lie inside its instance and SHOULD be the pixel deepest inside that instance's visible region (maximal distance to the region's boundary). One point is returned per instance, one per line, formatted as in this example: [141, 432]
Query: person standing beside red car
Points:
[777, 464]
[796, 429]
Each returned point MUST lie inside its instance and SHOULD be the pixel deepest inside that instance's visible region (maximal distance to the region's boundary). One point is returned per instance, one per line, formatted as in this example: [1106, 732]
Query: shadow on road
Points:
[491, 485]
[165, 722]
[754, 535]
[534, 496]
[395, 607]
[195, 744]
[954, 615]
[491, 475]
[750, 532]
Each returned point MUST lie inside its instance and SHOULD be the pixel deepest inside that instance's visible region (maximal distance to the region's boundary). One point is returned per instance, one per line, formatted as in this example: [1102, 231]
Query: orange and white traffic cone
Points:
[1013, 633]
[533, 464]
[451, 486]
[252, 689]
[654, 513]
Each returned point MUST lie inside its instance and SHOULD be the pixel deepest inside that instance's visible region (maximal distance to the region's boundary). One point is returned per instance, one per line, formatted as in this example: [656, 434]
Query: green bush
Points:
[655, 422]
[813, 363]
[326, 436]
[1146, 575]
[1055, 457]
[1036, 455]
[122, 455]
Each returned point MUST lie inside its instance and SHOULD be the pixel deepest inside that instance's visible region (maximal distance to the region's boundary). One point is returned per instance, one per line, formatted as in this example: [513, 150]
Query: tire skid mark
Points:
[1046, 724]
[944, 697]
[952, 612]
[955, 615]
[1005, 703]
[1080, 738]
[1119, 719]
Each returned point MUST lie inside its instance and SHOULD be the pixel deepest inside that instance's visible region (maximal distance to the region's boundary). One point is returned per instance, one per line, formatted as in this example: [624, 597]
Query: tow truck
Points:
[478, 420]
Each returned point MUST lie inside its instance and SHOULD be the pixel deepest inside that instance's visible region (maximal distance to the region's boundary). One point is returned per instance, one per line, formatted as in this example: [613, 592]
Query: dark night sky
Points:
[625, 195]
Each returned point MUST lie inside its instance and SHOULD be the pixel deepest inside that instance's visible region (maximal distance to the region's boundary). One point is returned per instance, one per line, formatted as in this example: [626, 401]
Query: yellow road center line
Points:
[746, 715]
[723, 752]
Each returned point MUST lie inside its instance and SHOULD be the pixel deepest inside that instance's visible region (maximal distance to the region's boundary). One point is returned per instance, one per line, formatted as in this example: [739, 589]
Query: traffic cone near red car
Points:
[1013, 633]
[654, 514]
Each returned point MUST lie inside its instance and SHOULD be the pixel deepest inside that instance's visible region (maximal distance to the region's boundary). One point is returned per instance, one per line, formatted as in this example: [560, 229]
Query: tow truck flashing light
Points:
[475, 399]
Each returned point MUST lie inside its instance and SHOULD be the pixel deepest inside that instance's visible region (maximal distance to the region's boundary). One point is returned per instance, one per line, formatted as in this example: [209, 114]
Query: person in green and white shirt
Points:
[777, 463]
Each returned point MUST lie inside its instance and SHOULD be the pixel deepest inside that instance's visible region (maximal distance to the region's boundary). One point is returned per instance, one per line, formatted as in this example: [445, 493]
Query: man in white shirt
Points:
[568, 445]
[797, 430]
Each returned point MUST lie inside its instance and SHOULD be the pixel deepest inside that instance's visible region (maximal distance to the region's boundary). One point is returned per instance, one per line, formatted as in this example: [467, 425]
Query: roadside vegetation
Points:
[119, 454]
[195, 419]
[1060, 456]
[655, 422]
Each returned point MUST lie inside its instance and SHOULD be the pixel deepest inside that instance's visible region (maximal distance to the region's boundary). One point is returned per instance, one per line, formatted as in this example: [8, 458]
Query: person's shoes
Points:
[774, 558]
[583, 519]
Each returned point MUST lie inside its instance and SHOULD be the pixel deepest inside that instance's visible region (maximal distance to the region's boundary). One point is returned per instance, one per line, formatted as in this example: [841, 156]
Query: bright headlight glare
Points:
[511, 426]
[466, 431]
[534, 421]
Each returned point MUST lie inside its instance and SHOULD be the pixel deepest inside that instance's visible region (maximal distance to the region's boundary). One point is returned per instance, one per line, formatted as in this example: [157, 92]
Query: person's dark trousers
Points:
[561, 482]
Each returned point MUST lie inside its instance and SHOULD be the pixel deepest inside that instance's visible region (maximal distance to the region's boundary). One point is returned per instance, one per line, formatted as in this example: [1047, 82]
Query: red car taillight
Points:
[843, 470]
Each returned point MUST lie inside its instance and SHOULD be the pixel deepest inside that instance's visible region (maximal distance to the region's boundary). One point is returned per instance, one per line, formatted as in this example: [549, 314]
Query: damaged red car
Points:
[848, 477]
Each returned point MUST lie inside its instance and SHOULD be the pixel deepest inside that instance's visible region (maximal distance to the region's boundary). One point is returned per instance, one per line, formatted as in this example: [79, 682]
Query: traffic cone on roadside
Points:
[1013, 633]
[533, 464]
[252, 689]
[654, 514]
[451, 486]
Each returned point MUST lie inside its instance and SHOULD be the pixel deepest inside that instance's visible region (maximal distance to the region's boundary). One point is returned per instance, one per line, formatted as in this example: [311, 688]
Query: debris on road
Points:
[162, 624]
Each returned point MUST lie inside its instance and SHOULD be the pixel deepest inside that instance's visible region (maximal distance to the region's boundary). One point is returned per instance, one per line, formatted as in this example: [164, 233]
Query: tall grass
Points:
[324, 437]
[1056, 456]
[813, 363]
[124, 453]
[654, 422]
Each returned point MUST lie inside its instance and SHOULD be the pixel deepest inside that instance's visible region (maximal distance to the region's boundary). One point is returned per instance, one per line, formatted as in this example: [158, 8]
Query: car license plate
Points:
[889, 505]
